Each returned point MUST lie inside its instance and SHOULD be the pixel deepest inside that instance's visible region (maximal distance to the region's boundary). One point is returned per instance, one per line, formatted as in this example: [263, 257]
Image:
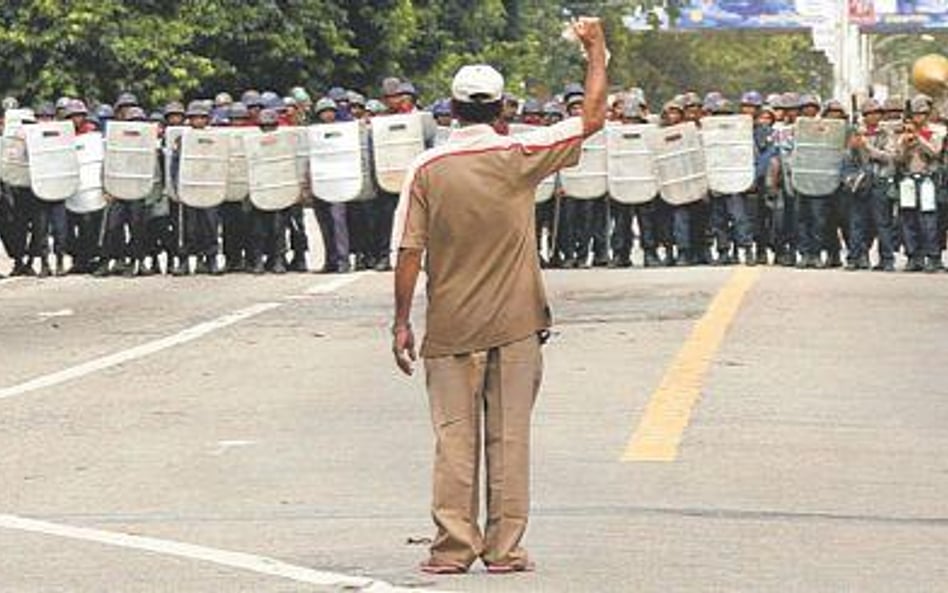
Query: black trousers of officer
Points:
[882, 200]
[383, 217]
[333, 225]
[859, 231]
[21, 203]
[584, 225]
[688, 228]
[296, 225]
[837, 217]
[359, 224]
[920, 228]
[236, 231]
[813, 219]
[622, 238]
[84, 229]
[48, 219]
[201, 226]
[730, 222]
[786, 223]
[7, 220]
[268, 234]
[126, 215]
[545, 217]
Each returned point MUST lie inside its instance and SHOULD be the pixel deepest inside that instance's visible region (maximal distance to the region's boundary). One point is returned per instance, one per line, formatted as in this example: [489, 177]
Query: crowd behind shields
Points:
[891, 197]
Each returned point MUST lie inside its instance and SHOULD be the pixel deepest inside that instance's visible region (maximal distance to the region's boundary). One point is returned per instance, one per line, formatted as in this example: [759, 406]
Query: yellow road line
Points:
[669, 410]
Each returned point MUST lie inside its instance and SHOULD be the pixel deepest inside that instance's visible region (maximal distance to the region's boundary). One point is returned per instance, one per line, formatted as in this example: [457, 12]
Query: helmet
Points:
[136, 113]
[673, 104]
[173, 108]
[45, 109]
[809, 100]
[833, 105]
[223, 99]
[441, 108]
[289, 102]
[10, 103]
[126, 100]
[790, 101]
[220, 119]
[633, 107]
[272, 100]
[104, 112]
[571, 90]
[325, 104]
[552, 108]
[390, 86]
[691, 99]
[337, 94]
[375, 106]
[921, 104]
[62, 103]
[197, 109]
[723, 107]
[710, 103]
[752, 98]
[156, 116]
[893, 104]
[774, 100]
[871, 106]
[300, 94]
[268, 117]
[407, 88]
[355, 98]
[251, 98]
[76, 107]
[532, 106]
[237, 111]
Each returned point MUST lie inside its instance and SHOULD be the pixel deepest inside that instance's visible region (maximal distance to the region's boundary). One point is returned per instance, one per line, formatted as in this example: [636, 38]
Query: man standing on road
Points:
[468, 207]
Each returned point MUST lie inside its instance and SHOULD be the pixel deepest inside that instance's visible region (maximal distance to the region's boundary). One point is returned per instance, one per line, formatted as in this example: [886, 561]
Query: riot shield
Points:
[171, 151]
[90, 152]
[238, 185]
[396, 141]
[131, 159]
[202, 177]
[817, 157]
[14, 159]
[54, 168]
[631, 164]
[335, 161]
[679, 163]
[589, 178]
[546, 187]
[729, 152]
[272, 170]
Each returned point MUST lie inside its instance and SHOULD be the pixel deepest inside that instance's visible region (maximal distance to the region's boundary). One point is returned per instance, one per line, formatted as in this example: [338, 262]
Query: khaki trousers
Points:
[483, 400]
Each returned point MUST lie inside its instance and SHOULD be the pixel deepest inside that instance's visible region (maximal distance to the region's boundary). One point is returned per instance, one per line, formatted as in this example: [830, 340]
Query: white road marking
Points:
[148, 348]
[225, 446]
[52, 314]
[334, 284]
[239, 560]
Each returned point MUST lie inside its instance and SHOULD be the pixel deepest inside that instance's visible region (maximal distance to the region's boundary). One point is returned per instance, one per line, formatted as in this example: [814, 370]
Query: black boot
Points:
[45, 271]
[749, 258]
[202, 265]
[102, 270]
[651, 259]
[257, 268]
[143, 269]
[182, 266]
[279, 266]
[915, 264]
[299, 263]
[60, 266]
[213, 267]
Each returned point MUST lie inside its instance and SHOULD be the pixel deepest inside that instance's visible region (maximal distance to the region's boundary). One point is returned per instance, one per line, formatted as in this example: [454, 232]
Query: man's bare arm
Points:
[407, 269]
[590, 33]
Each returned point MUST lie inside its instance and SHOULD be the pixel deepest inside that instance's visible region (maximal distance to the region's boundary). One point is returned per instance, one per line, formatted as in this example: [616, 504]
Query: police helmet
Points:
[752, 98]
[197, 109]
[269, 117]
[325, 104]
[126, 100]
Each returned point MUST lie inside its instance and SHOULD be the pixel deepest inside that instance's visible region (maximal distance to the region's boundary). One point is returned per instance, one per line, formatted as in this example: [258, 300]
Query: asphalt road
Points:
[263, 415]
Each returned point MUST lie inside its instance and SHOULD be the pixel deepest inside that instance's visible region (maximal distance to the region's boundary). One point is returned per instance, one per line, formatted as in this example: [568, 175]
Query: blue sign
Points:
[728, 14]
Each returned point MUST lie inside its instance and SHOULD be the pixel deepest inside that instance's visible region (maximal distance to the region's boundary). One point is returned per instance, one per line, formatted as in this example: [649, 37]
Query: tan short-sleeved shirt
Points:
[470, 205]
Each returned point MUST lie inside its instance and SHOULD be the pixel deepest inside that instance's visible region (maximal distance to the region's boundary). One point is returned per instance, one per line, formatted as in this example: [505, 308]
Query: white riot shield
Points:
[202, 175]
[369, 191]
[302, 154]
[54, 168]
[335, 161]
[170, 151]
[14, 160]
[90, 152]
[272, 169]
[546, 187]
[396, 141]
[679, 163]
[729, 152]
[817, 157]
[238, 185]
[131, 158]
[442, 133]
[588, 179]
[631, 164]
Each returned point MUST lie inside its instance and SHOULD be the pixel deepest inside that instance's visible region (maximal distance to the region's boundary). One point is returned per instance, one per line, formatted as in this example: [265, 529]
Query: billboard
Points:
[871, 15]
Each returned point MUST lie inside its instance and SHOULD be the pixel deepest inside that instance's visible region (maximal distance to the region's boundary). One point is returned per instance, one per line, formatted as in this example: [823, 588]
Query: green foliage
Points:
[183, 48]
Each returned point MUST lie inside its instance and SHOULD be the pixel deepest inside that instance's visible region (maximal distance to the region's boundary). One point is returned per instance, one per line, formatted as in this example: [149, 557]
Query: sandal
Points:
[510, 568]
[432, 567]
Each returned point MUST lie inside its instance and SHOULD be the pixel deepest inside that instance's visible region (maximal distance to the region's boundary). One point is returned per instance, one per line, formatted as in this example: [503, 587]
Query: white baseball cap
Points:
[478, 83]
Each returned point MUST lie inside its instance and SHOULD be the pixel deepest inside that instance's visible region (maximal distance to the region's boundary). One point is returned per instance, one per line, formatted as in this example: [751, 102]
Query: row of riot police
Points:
[786, 179]
[122, 193]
